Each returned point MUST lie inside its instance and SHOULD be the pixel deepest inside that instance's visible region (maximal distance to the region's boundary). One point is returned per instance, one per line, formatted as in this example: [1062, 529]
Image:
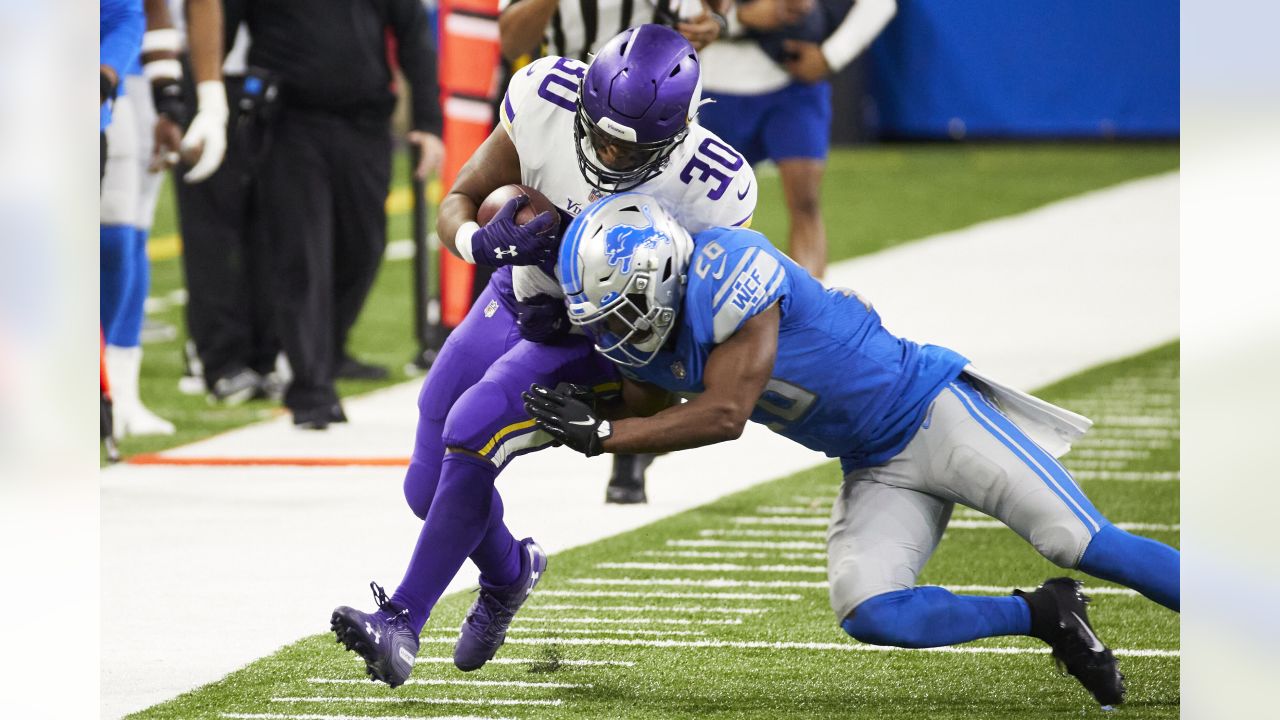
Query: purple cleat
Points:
[485, 628]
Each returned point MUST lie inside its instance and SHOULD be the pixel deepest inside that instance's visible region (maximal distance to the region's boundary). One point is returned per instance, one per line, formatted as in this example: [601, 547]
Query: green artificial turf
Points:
[1135, 404]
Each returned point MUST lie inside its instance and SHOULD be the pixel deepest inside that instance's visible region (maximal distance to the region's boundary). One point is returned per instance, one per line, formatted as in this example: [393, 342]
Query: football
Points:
[538, 203]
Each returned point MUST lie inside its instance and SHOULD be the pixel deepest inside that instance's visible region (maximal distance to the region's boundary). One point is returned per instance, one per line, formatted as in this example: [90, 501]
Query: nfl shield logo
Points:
[594, 196]
[677, 369]
[491, 308]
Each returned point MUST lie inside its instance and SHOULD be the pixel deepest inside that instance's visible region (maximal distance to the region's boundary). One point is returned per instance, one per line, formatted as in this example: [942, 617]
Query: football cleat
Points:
[384, 639]
[485, 627]
[1059, 617]
[626, 485]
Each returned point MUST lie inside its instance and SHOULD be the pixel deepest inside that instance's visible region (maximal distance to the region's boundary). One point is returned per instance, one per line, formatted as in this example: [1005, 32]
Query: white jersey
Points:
[705, 183]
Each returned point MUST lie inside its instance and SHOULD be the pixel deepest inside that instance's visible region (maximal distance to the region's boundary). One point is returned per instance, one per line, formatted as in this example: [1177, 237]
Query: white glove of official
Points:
[207, 134]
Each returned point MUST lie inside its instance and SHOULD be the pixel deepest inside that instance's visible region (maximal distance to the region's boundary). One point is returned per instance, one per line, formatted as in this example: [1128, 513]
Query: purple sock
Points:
[455, 525]
[499, 553]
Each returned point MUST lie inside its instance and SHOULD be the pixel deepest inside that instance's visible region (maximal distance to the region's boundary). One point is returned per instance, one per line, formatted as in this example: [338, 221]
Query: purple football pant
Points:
[472, 423]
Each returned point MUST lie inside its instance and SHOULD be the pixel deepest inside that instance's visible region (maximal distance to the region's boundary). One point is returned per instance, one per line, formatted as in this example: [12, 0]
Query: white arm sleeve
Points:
[860, 27]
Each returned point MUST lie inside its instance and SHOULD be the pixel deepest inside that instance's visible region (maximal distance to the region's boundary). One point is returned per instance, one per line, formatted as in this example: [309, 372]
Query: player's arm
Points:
[637, 399]
[522, 25]
[736, 374]
[121, 24]
[417, 57]
[493, 164]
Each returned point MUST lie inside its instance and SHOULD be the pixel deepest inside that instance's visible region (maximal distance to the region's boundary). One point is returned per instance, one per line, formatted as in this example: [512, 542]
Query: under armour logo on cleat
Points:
[500, 253]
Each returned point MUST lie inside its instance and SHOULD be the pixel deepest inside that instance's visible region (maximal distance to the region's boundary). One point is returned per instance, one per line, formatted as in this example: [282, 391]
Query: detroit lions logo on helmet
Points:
[622, 241]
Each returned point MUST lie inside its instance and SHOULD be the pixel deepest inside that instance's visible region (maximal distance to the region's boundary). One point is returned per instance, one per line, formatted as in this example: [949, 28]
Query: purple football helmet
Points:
[636, 101]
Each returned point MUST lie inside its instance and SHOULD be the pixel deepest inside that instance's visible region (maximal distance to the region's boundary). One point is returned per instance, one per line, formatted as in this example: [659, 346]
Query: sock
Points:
[1150, 567]
[116, 275]
[132, 309]
[931, 617]
[499, 555]
[455, 525]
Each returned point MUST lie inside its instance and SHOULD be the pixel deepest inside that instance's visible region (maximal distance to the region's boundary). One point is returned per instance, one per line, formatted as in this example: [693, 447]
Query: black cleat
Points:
[1059, 617]
[385, 640]
[626, 485]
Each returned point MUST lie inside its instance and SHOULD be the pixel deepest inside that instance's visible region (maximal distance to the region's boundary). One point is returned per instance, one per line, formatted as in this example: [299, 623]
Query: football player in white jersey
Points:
[575, 133]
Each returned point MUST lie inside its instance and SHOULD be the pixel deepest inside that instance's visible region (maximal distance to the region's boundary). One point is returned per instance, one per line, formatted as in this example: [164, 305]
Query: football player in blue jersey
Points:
[726, 319]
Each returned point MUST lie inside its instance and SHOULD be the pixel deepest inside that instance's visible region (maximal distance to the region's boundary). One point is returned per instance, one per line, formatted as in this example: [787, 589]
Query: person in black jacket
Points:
[326, 168]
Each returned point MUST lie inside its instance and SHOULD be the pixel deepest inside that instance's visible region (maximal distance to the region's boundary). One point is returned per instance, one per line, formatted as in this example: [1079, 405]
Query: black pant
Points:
[225, 258]
[323, 185]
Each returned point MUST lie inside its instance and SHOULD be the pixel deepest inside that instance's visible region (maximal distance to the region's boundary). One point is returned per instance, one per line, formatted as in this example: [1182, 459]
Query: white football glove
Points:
[207, 133]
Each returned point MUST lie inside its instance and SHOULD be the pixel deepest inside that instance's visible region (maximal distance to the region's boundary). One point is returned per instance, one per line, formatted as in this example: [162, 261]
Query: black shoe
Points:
[1059, 617]
[237, 388]
[350, 368]
[319, 418]
[626, 486]
[384, 639]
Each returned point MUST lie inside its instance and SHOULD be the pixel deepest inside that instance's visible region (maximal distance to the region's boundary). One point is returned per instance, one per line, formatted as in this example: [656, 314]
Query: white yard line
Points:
[443, 681]
[523, 631]
[626, 621]
[733, 555]
[702, 582]
[760, 544]
[1173, 476]
[198, 545]
[819, 646]
[526, 661]
[656, 608]
[780, 520]
[711, 567]
[792, 597]
[794, 509]
[756, 532]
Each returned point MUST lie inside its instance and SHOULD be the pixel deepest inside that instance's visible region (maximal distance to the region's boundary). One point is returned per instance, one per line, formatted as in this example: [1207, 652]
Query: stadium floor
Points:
[234, 562]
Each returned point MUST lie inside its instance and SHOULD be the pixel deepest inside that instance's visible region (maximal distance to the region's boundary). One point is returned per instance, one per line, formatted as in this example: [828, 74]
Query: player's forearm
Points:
[456, 210]
[204, 39]
[699, 422]
[860, 27]
[522, 25]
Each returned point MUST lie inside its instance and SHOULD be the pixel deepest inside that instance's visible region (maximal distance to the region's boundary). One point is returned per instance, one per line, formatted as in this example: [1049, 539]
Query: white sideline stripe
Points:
[424, 700]
[1172, 476]
[768, 645]
[710, 567]
[442, 681]
[312, 716]
[668, 595]
[528, 661]
[753, 532]
[631, 620]
[793, 510]
[1149, 420]
[697, 582]
[781, 520]
[761, 544]
[734, 555]
[652, 608]
[605, 631]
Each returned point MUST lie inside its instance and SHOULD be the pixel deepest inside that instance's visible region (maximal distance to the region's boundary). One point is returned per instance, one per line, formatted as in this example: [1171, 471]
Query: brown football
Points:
[538, 203]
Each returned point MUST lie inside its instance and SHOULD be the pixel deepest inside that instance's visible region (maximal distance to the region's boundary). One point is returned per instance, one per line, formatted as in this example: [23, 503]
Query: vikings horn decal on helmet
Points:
[623, 268]
[636, 101]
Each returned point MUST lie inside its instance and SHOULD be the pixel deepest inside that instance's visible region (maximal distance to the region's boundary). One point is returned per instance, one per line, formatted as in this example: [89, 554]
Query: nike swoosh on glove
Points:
[567, 419]
[505, 242]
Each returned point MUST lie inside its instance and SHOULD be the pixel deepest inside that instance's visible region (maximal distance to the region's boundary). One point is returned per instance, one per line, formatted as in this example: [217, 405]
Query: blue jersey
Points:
[842, 384]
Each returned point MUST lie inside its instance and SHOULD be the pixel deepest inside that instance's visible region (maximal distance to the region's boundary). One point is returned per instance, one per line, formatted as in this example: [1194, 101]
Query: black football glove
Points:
[542, 319]
[567, 419]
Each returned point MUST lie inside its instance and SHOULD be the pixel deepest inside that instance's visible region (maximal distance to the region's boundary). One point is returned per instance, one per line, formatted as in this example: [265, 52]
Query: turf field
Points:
[721, 612]
[874, 197]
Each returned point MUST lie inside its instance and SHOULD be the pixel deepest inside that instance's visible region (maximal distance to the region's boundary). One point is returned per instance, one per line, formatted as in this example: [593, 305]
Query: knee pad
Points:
[1062, 542]
[482, 419]
[884, 620]
[420, 482]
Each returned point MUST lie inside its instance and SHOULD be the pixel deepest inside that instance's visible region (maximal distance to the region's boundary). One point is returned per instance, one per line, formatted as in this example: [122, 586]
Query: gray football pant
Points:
[888, 519]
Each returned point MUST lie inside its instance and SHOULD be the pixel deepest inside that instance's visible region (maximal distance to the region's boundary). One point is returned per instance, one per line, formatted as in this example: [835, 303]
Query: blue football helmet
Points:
[623, 267]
